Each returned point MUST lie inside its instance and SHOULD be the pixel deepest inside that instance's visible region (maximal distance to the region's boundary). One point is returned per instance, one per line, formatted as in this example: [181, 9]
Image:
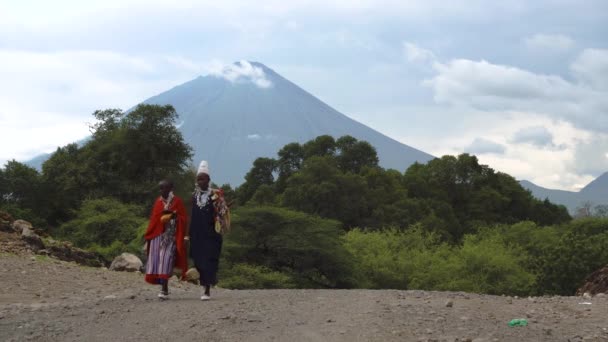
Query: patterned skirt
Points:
[161, 259]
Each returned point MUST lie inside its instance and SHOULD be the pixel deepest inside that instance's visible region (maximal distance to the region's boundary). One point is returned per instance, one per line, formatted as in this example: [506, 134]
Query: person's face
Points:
[203, 181]
[165, 189]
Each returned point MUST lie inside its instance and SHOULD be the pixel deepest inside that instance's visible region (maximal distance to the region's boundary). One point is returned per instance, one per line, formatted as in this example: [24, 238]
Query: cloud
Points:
[591, 155]
[484, 146]
[243, 71]
[46, 98]
[536, 135]
[416, 54]
[254, 137]
[551, 42]
[492, 87]
[591, 68]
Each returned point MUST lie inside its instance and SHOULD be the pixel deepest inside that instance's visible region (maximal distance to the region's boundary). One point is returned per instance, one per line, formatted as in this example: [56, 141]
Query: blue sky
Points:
[522, 84]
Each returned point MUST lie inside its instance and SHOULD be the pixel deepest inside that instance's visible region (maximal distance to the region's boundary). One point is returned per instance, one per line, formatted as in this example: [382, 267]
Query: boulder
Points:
[595, 283]
[32, 239]
[192, 276]
[126, 262]
[20, 225]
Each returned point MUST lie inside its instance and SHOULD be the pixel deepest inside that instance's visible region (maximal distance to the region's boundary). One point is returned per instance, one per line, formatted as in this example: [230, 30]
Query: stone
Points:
[596, 282]
[192, 276]
[126, 262]
[449, 304]
[28, 235]
[20, 225]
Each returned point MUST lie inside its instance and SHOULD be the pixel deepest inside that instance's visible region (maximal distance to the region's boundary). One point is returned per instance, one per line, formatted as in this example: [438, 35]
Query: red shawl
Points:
[156, 228]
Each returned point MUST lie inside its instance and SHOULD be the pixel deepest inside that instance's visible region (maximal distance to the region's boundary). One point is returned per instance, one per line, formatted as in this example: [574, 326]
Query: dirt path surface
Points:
[43, 299]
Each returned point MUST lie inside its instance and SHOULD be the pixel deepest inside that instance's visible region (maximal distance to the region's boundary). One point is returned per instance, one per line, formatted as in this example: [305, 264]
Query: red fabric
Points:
[155, 228]
[153, 278]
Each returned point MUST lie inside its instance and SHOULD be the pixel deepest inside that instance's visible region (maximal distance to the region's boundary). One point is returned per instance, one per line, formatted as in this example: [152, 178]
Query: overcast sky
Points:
[521, 84]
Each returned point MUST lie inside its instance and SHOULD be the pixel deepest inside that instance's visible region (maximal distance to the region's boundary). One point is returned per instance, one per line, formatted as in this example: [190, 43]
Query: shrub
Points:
[245, 276]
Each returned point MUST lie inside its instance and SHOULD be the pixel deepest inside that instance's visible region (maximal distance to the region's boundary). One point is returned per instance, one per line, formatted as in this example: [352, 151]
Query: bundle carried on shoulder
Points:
[222, 212]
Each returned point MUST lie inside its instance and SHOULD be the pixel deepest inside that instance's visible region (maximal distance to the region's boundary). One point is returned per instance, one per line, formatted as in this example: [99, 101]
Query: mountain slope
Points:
[595, 192]
[230, 122]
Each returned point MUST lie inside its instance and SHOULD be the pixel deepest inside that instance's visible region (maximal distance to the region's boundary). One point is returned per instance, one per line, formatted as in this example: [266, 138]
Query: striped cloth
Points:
[161, 260]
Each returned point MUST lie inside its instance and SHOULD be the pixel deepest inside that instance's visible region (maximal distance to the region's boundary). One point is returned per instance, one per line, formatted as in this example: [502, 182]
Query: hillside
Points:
[595, 192]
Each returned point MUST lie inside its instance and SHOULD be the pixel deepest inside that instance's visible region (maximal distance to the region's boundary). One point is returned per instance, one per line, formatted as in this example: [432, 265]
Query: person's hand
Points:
[186, 239]
[145, 248]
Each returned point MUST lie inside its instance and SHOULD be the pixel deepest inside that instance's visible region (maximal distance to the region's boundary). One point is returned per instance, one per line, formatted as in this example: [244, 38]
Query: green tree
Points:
[290, 161]
[125, 158]
[22, 193]
[321, 146]
[306, 247]
[321, 189]
[354, 155]
[262, 173]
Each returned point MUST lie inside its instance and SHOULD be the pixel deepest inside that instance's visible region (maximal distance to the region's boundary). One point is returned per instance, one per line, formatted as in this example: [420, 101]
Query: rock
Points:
[449, 304]
[20, 225]
[65, 251]
[126, 262]
[110, 297]
[28, 235]
[587, 295]
[601, 295]
[596, 282]
[192, 276]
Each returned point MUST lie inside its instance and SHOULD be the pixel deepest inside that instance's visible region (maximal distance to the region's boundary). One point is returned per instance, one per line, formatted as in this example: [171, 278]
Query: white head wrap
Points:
[203, 167]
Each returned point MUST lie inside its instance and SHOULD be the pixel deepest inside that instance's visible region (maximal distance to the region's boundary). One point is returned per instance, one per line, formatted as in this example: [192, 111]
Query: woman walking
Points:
[210, 219]
[165, 239]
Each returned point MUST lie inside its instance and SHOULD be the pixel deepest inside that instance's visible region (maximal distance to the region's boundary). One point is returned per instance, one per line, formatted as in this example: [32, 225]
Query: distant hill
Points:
[595, 192]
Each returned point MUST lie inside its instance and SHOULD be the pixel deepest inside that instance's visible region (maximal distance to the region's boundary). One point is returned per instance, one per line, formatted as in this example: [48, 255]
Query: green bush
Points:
[480, 265]
[290, 241]
[103, 223]
[417, 260]
[383, 258]
[581, 250]
[245, 276]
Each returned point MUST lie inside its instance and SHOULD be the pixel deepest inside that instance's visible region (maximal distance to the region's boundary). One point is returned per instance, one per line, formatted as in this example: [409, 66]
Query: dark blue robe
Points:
[205, 243]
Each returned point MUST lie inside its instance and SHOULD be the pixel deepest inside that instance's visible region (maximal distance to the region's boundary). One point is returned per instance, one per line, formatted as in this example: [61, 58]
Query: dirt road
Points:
[43, 299]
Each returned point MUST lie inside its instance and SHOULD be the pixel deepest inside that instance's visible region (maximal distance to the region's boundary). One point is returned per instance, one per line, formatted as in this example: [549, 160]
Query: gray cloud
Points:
[591, 156]
[537, 135]
[493, 87]
[553, 42]
[484, 146]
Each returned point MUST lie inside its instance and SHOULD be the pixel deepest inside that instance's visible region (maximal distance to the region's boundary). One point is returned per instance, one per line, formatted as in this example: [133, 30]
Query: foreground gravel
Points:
[50, 300]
